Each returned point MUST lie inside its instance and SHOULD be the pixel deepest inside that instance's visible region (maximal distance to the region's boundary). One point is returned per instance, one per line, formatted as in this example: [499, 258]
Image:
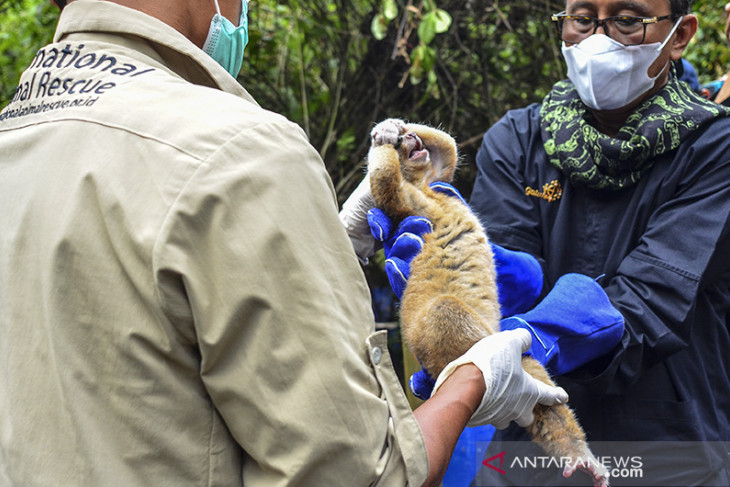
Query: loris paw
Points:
[387, 132]
[590, 466]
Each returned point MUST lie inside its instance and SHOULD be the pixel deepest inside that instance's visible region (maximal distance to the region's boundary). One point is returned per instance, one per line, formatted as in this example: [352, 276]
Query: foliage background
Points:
[337, 67]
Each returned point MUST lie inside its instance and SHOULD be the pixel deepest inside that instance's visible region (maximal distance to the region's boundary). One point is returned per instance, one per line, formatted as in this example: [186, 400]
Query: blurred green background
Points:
[337, 67]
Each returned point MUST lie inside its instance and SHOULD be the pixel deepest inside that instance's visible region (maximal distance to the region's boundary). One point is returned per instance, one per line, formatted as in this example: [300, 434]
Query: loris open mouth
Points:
[416, 149]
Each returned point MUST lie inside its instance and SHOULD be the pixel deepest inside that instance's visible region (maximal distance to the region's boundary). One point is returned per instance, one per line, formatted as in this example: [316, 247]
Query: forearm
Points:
[443, 417]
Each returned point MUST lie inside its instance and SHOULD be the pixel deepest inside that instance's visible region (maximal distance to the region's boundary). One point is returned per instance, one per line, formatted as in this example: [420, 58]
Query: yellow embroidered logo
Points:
[551, 191]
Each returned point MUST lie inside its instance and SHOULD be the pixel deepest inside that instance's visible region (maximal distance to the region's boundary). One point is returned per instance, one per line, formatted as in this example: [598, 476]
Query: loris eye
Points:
[416, 140]
[415, 149]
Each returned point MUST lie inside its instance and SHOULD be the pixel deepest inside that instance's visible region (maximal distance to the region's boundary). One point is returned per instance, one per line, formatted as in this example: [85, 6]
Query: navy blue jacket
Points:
[663, 249]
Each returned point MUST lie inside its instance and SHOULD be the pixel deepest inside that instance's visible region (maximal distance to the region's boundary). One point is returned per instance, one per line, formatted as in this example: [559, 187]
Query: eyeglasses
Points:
[626, 29]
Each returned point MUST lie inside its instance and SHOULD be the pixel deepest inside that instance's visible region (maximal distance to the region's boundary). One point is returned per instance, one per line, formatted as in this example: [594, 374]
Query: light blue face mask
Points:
[226, 42]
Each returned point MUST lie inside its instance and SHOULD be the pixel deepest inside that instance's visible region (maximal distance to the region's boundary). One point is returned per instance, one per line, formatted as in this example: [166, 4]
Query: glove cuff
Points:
[450, 369]
[479, 417]
[539, 349]
[575, 323]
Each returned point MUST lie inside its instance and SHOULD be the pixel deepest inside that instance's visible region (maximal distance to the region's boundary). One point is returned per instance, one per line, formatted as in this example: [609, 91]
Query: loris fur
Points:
[450, 301]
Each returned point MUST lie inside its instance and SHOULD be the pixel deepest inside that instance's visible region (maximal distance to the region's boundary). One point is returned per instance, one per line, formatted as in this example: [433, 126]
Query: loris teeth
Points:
[418, 147]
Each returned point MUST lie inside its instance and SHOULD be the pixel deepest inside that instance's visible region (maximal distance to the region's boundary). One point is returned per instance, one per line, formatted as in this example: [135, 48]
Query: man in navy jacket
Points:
[631, 188]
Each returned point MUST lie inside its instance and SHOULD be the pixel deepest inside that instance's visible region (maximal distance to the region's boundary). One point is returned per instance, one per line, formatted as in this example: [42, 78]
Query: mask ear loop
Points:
[244, 13]
[217, 8]
[674, 29]
[659, 49]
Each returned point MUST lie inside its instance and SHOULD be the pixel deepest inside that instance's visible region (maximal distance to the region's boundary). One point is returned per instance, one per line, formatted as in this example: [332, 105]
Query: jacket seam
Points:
[660, 263]
[209, 483]
[112, 126]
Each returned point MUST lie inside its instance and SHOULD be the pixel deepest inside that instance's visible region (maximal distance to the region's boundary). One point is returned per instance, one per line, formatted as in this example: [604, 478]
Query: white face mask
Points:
[609, 75]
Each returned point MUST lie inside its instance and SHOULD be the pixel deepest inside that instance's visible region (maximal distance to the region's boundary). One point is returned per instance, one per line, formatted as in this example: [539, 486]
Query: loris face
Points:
[425, 154]
[415, 160]
[412, 148]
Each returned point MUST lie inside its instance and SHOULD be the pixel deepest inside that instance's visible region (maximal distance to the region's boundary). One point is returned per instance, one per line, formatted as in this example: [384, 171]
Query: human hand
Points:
[354, 213]
[511, 393]
[448, 190]
[366, 230]
[574, 324]
[400, 246]
[355, 220]
[421, 384]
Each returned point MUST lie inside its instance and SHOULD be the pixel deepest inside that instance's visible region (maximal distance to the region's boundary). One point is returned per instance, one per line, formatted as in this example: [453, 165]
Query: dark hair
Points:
[680, 7]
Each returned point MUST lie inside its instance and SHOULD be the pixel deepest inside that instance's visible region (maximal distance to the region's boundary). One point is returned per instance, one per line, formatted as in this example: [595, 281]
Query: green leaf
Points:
[390, 9]
[427, 28]
[442, 20]
[429, 58]
[379, 27]
[423, 59]
[417, 60]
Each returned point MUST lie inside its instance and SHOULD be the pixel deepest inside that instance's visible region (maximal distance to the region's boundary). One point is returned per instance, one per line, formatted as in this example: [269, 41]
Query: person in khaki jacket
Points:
[169, 313]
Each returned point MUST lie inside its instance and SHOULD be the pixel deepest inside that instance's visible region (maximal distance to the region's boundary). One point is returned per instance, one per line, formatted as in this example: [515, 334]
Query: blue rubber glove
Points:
[519, 280]
[574, 324]
[400, 247]
[448, 190]
[421, 384]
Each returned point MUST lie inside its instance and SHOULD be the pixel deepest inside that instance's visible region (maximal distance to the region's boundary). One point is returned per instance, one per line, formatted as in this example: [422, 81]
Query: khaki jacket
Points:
[179, 303]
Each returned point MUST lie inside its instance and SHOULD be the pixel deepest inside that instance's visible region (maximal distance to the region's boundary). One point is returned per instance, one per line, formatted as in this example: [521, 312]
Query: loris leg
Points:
[386, 180]
[557, 431]
[389, 190]
[440, 329]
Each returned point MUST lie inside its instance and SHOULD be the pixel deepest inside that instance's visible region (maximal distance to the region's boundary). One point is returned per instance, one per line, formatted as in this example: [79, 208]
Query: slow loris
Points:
[450, 301]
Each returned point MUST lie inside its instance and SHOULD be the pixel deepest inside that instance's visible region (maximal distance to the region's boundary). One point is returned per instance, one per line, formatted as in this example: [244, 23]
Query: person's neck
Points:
[610, 122]
[188, 17]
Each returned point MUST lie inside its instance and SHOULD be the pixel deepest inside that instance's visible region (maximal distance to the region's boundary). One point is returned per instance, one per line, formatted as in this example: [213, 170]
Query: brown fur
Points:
[450, 301]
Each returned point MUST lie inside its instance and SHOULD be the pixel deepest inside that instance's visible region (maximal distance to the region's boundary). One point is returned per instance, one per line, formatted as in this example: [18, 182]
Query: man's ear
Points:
[684, 33]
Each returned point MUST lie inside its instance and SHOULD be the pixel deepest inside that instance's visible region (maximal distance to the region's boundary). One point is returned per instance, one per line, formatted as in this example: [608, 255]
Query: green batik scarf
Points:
[593, 159]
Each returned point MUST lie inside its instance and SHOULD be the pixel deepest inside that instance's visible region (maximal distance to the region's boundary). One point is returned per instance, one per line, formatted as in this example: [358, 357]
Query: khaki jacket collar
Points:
[151, 38]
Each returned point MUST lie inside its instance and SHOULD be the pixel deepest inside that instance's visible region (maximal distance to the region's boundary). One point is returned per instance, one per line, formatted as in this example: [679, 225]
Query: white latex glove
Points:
[354, 217]
[511, 392]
